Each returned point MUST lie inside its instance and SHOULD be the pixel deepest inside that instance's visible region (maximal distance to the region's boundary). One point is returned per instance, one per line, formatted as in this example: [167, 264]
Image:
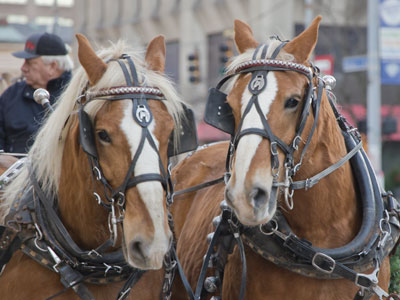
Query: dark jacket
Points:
[21, 116]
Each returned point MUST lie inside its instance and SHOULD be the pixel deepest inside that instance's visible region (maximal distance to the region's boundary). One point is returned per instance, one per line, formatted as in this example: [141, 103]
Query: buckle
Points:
[366, 281]
[323, 263]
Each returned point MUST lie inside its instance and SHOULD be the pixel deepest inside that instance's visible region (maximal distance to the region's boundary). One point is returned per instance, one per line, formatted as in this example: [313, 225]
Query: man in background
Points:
[47, 65]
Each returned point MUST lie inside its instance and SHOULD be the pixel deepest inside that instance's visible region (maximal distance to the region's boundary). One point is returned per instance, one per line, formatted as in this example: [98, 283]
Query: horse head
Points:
[270, 100]
[116, 149]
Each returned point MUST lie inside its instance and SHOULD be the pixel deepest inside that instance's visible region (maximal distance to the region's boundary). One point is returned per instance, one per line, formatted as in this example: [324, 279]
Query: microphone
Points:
[41, 96]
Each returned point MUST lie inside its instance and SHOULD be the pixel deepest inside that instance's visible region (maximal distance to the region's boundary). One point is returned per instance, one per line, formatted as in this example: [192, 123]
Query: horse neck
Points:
[85, 220]
[328, 213]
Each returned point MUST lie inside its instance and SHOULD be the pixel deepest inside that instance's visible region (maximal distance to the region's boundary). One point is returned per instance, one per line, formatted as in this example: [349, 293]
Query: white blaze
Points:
[248, 144]
[151, 192]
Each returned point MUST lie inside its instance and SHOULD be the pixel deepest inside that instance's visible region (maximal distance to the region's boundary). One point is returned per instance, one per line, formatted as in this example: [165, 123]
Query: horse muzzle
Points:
[252, 207]
[147, 254]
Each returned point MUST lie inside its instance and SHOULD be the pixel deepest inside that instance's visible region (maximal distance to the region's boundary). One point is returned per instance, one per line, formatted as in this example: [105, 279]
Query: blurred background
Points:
[199, 44]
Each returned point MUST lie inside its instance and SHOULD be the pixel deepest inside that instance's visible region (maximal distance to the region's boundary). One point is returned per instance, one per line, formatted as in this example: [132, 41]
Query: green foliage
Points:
[394, 286]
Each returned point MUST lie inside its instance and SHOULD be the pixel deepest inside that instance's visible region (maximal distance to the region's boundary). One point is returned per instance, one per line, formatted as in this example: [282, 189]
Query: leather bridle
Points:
[366, 250]
[141, 113]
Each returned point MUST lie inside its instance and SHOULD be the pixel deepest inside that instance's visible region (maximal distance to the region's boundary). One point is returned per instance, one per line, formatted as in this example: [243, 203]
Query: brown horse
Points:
[285, 132]
[90, 206]
[6, 161]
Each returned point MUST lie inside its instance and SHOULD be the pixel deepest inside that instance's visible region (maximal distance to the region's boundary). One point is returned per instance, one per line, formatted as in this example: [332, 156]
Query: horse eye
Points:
[103, 135]
[291, 103]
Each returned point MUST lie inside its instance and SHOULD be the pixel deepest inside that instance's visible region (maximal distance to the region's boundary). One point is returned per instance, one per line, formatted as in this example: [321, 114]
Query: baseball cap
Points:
[42, 44]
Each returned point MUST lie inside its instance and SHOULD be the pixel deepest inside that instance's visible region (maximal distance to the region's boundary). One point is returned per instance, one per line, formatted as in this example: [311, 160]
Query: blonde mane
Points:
[46, 153]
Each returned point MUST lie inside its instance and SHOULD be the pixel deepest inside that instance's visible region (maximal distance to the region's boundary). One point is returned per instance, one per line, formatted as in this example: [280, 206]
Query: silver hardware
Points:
[210, 262]
[93, 253]
[287, 192]
[257, 83]
[295, 143]
[380, 292]
[386, 233]
[327, 258]
[275, 173]
[121, 199]
[308, 184]
[97, 173]
[39, 237]
[2, 269]
[372, 277]
[273, 230]
[274, 149]
[98, 198]
[122, 296]
[330, 82]
[211, 284]
[216, 221]
[113, 224]
[142, 114]
[55, 257]
[224, 205]
[11, 172]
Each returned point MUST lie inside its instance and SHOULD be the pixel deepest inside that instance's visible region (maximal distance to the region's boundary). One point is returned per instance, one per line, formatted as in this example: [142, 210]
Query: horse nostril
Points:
[259, 197]
[137, 248]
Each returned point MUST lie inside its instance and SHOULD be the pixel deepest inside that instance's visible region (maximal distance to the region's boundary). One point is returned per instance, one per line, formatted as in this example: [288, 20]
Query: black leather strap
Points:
[199, 186]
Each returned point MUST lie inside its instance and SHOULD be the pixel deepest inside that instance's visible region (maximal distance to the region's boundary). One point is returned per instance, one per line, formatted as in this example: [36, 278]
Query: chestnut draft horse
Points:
[303, 217]
[88, 210]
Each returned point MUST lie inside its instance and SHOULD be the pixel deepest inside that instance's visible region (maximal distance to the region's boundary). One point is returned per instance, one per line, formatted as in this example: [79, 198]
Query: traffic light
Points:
[226, 52]
[194, 68]
[389, 125]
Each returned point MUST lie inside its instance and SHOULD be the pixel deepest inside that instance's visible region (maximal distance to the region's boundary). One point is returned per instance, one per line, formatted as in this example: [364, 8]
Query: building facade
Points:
[199, 41]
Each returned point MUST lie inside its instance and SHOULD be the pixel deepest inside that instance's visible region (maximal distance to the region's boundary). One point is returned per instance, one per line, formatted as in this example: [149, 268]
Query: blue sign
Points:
[390, 72]
[354, 63]
[389, 34]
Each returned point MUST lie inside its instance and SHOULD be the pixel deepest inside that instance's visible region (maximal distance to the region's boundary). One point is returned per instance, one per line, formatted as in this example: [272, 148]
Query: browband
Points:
[124, 90]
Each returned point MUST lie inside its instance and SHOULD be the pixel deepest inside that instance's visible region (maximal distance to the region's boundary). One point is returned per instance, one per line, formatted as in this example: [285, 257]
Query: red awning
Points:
[353, 113]
[358, 112]
[207, 133]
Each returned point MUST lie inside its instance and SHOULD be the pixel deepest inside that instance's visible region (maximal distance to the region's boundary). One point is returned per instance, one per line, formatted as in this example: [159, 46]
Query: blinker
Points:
[187, 135]
[218, 112]
[86, 134]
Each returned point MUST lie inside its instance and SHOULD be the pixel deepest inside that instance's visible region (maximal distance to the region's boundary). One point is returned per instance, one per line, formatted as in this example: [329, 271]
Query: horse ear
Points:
[244, 37]
[94, 66]
[303, 45]
[155, 54]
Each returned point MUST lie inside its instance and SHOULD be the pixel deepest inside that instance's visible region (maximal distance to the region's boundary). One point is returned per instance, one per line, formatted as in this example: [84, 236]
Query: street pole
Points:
[308, 13]
[55, 24]
[374, 90]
